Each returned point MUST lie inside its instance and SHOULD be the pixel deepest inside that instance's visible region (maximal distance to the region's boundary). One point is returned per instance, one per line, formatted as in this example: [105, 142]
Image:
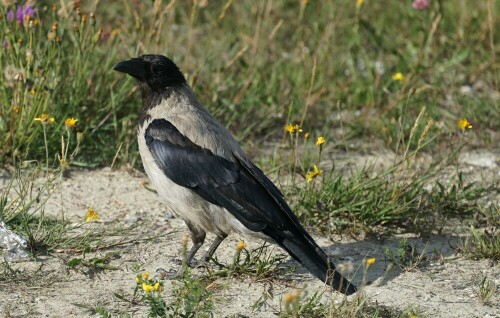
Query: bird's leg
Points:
[215, 244]
[198, 238]
[192, 252]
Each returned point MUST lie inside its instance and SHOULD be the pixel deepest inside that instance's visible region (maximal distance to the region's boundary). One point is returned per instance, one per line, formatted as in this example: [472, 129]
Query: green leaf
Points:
[74, 262]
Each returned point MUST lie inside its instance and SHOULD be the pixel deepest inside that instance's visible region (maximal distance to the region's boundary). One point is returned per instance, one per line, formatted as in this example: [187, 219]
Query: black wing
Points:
[184, 162]
[197, 168]
[239, 186]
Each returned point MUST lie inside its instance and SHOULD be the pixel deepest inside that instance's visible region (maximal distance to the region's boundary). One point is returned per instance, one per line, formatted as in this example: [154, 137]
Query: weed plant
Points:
[323, 64]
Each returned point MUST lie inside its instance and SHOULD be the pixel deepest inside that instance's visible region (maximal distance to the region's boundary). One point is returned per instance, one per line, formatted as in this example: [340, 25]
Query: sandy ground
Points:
[444, 287]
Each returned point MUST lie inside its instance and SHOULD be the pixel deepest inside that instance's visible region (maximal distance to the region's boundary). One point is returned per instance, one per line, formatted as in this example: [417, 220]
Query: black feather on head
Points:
[157, 71]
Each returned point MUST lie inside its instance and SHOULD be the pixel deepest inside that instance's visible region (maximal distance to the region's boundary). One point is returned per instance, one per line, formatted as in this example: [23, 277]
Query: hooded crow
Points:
[203, 175]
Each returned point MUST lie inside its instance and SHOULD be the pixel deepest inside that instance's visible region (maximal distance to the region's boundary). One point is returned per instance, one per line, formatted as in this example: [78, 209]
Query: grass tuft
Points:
[480, 244]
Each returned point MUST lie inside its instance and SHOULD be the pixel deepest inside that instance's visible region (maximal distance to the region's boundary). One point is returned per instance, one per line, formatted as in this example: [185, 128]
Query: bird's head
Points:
[156, 71]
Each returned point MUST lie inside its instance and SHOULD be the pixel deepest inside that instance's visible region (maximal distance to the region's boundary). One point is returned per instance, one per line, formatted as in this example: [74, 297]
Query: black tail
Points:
[315, 260]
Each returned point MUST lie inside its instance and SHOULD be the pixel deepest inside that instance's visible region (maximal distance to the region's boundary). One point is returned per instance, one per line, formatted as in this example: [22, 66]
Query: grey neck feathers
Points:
[152, 98]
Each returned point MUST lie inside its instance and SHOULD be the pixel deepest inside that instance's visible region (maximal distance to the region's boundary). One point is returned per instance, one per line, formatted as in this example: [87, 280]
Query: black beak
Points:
[135, 67]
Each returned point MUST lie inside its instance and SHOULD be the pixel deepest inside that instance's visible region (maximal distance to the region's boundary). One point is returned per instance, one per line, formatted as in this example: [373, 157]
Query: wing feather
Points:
[237, 184]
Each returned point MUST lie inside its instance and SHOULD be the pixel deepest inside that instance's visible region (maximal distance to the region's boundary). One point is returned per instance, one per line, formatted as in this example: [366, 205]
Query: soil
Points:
[444, 285]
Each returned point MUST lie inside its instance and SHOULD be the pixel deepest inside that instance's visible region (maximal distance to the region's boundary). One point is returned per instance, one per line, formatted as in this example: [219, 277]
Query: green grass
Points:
[259, 264]
[485, 289]
[406, 256]
[63, 77]
[481, 244]
[22, 208]
[300, 304]
[391, 199]
[278, 60]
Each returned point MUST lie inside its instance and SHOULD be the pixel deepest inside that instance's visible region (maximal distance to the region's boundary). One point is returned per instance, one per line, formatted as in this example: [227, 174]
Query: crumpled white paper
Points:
[14, 244]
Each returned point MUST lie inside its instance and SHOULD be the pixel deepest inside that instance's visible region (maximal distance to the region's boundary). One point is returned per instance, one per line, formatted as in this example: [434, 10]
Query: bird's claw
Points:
[171, 274]
[192, 264]
[177, 261]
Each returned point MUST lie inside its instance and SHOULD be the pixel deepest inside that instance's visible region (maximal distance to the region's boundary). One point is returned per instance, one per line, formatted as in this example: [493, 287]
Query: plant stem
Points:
[46, 148]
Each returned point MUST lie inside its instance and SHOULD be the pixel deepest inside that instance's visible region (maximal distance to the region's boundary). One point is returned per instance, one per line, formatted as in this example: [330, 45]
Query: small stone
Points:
[132, 218]
[168, 215]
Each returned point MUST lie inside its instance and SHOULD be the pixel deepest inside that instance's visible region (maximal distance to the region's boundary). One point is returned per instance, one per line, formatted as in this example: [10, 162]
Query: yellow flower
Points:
[291, 128]
[369, 262]
[70, 122]
[291, 297]
[241, 245]
[464, 124]
[147, 288]
[145, 276]
[92, 215]
[288, 298]
[44, 119]
[359, 3]
[313, 174]
[398, 77]
[321, 140]
[158, 287]
[307, 135]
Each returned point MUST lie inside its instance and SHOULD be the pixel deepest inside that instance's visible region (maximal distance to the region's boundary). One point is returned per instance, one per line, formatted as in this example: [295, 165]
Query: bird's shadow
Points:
[391, 257]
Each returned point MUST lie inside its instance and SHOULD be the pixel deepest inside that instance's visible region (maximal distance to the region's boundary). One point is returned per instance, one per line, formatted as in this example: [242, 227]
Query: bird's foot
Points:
[192, 264]
[171, 274]
[177, 261]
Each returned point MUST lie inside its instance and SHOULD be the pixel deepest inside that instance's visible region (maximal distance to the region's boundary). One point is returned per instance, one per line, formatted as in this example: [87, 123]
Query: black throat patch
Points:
[151, 99]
